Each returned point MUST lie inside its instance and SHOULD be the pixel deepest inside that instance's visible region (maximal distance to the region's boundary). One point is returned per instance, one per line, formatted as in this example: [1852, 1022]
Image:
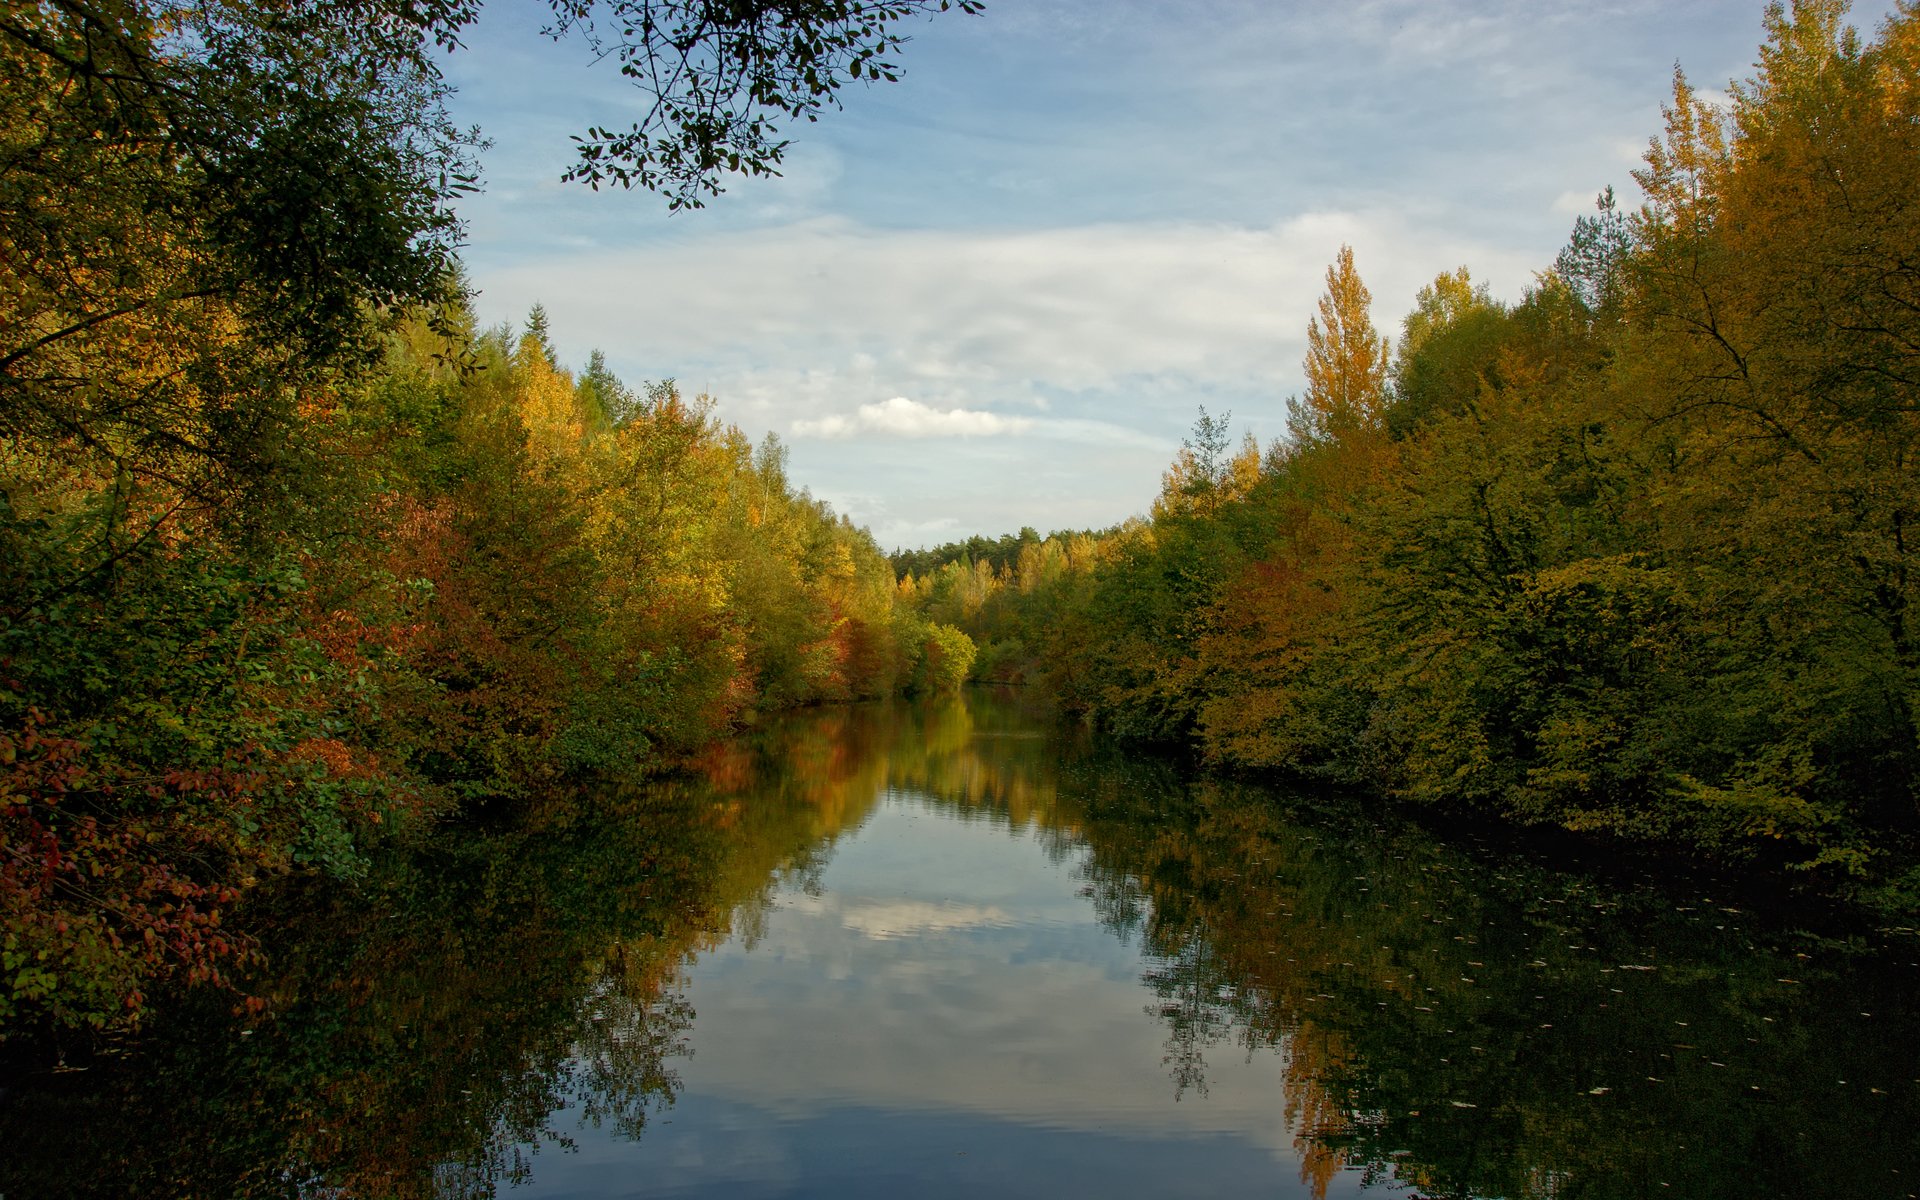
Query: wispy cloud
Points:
[1056, 369]
[886, 919]
[1090, 221]
[808, 317]
[901, 417]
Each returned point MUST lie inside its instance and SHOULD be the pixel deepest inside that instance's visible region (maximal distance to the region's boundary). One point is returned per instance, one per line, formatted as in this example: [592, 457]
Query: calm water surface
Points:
[941, 951]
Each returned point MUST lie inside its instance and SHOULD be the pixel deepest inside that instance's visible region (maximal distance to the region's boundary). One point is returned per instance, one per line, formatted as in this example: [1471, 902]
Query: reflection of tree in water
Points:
[421, 1032]
[424, 1033]
[1118, 818]
[1462, 1024]
[624, 1039]
[1195, 1002]
[1320, 1124]
[1462, 1027]
[616, 1071]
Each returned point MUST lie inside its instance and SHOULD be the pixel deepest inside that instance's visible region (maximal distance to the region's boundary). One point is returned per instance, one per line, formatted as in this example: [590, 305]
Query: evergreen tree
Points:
[537, 333]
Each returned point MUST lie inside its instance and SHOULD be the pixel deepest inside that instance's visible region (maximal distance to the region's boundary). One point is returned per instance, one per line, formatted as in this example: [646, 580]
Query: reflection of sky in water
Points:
[943, 1016]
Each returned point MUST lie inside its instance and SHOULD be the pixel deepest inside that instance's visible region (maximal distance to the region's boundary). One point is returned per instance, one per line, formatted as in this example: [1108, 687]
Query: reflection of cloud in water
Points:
[884, 919]
[952, 966]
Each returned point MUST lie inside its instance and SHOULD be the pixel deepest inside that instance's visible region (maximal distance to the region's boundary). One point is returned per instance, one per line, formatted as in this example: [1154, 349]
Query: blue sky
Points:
[995, 293]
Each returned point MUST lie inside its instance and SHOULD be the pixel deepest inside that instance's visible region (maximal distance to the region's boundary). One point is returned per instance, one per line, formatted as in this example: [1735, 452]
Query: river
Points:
[949, 950]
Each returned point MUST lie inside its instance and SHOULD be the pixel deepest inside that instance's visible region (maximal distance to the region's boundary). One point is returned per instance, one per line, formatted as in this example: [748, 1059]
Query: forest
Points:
[297, 560]
[294, 559]
[1633, 556]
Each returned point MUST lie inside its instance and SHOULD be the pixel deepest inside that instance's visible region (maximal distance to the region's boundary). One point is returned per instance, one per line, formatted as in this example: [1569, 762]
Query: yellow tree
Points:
[1346, 361]
[1449, 347]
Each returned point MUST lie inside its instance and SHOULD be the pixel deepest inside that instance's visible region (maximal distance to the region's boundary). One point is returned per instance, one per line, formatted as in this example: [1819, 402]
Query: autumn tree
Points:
[1448, 348]
[1775, 357]
[1632, 556]
[1346, 363]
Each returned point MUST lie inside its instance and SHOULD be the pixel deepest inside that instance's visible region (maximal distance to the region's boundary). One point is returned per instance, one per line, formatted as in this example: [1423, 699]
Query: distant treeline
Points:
[1001, 554]
[1638, 555]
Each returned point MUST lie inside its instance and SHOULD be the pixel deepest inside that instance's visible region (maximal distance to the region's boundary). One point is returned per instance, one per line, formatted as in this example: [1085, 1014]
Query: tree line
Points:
[294, 558]
[1634, 555]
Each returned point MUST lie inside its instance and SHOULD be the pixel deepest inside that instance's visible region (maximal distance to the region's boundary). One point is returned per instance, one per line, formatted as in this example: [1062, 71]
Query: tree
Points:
[295, 163]
[538, 331]
[271, 579]
[207, 209]
[607, 401]
[1448, 347]
[210, 212]
[1774, 360]
[1204, 474]
[722, 76]
[945, 659]
[1346, 363]
[1593, 261]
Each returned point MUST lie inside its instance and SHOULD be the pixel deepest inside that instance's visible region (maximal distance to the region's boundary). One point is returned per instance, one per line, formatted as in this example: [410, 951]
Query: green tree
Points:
[1448, 349]
[946, 659]
[1593, 263]
[722, 79]
[602, 396]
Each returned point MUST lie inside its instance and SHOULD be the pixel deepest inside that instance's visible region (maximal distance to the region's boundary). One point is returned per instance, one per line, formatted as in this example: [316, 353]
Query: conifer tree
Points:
[537, 332]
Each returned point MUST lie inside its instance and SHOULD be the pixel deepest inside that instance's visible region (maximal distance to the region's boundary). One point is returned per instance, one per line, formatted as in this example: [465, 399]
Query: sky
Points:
[940, 1011]
[997, 293]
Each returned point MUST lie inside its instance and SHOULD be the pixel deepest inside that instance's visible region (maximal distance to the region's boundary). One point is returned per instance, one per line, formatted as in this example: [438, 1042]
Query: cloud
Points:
[1056, 369]
[901, 417]
[886, 919]
[791, 323]
[1576, 203]
[1095, 217]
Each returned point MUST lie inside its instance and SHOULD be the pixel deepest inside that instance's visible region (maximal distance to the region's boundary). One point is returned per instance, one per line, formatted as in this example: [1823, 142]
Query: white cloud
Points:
[794, 322]
[1576, 203]
[1056, 369]
[901, 417]
[886, 919]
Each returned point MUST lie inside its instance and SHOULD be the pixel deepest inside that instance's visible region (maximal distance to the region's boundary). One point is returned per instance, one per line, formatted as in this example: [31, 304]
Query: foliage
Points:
[290, 556]
[500, 588]
[1000, 553]
[1631, 557]
[1346, 363]
[945, 659]
[722, 79]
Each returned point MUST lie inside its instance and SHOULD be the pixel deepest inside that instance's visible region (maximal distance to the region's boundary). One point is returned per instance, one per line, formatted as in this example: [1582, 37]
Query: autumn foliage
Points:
[1633, 556]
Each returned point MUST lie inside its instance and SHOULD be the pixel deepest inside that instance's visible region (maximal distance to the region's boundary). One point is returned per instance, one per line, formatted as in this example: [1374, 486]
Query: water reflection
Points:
[418, 1034]
[927, 950]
